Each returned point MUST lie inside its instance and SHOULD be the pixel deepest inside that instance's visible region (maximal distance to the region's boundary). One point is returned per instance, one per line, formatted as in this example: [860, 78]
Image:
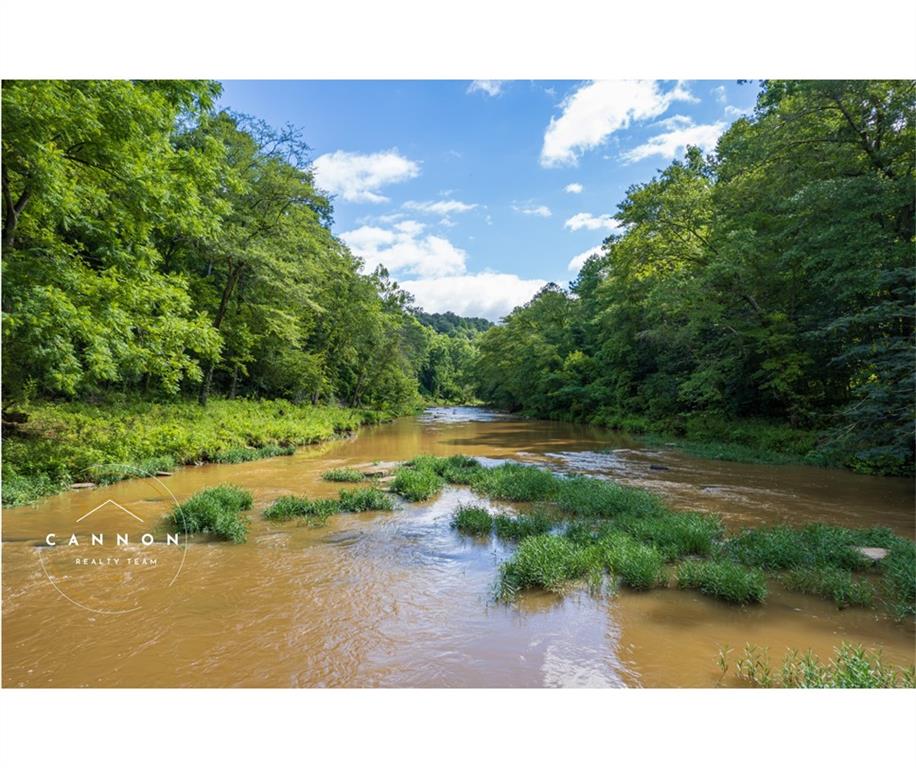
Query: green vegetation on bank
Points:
[851, 667]
[217, 511]
[755, 303]
[68, 442]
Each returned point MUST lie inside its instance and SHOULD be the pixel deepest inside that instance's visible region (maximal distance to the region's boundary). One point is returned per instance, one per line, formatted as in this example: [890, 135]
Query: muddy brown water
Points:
[398, 598]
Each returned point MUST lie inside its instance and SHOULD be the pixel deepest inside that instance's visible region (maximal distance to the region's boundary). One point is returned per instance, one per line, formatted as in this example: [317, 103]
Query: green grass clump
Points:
[241, 454]
[814, 546]
[516, 482]
[590, 497]
[675, 534]
[543, 561]
[724, 580]
[416, 484]
[316, 511]
[215, 510]
[899, 577]
[365, 500]
[518, 527]
[457, 469]
[833, 583]
[637, 565]
[472, 520]
[852, 667]
[344, 475]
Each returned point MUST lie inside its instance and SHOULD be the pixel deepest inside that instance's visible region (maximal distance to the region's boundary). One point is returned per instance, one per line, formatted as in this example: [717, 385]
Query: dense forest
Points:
[153, 245]
[156, 247]
[772, 280]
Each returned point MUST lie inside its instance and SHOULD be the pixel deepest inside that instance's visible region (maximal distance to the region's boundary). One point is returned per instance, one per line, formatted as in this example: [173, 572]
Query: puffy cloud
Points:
[485, 294]
[489, 87]
[357, 178]
[598, 109]
[588, 221]
[574, 189]
[737, 111]
[406, 249]
[577, 262]
[720, 94]
[440, 207]
[533, 210]
[680, 136]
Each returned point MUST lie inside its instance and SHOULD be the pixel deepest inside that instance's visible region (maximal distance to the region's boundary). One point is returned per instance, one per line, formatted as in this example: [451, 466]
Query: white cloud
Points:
[719, 93]
[489, 87]
[357, 177]
[534, 210]
[440, 207]
[405, 249]
[670, 143]
[587, 221]
[577, 262]
[737, 111]
[486, 294]
[598, 109]
[574, 189]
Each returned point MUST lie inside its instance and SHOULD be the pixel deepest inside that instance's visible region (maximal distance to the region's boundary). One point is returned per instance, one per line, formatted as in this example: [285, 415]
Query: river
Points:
[398, 599]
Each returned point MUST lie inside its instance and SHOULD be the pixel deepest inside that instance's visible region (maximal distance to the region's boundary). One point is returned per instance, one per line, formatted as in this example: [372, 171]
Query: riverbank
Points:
[58, 444]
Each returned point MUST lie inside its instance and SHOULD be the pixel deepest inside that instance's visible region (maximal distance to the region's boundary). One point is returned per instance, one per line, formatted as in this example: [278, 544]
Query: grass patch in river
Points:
[637, 565]
[343, 475]
[547, 562]
[365, 500]
[899, 578]
[416, 484]
[851, 667]
[590, 497]
[457, 469]
[832, 583]
[472, 520]
[518, 527]
[726, 581]
[216, 510]
[315, 511]
[516, 482]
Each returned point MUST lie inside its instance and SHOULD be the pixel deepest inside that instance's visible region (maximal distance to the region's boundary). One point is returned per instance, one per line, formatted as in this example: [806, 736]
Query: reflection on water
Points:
[399, 599]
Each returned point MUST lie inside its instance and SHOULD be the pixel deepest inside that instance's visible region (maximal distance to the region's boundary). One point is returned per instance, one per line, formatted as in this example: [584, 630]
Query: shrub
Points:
[344, 475]
[543, 561]
[724, 580]
[472, 520]
[590, 497]
[416, 484]
[516, 482]
[215, 510]
[833, 583]
[316, 511]
[365, 500]
[18, 490]
[517, 527]
[636, 565]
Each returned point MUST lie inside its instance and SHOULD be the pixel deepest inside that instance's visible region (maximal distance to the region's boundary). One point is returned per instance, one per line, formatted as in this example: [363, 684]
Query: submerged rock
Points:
[875, 554]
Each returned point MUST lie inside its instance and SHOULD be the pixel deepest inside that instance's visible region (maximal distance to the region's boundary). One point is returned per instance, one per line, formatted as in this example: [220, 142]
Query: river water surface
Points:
[398, 598]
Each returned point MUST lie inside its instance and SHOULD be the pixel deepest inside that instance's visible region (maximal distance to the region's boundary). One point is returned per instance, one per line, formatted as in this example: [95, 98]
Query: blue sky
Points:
[474, 194]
